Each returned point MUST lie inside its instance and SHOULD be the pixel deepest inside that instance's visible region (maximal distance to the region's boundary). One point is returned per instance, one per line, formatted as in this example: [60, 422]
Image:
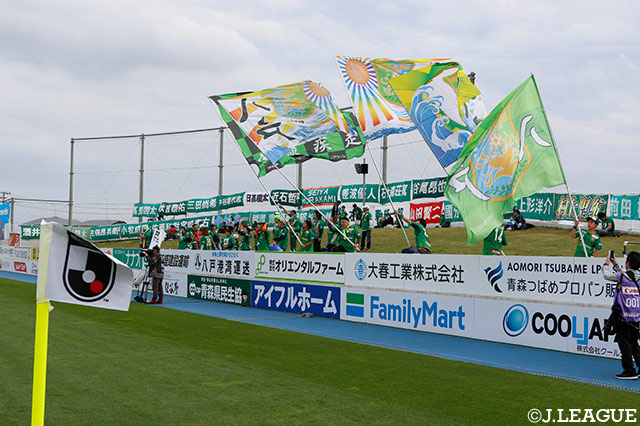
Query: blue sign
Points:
[322, 301]
[5, 210]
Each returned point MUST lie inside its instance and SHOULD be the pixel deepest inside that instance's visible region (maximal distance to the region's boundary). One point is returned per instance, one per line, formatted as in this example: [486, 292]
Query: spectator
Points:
[280, 233]
[245, 236]
[206, 243]
[182, 238]
[388, 221]
[228, 242]
[347, 241]
[342, 214]
[294, 222]
[492, 245]
[608, 227]
[156, 272]
[306, 236]
[423, 244]
[193, 236]
[516, 223]
[335, 210]
[365, 224]
[172, 233]
[215, 237]
[332, 233]
[624, 320]
[590, 236]
[318, 230]
[145, 236]
[356, 213]
[262, 237]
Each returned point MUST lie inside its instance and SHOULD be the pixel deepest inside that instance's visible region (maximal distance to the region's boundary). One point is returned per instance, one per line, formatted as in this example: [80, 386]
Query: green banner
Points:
[130, 257]
[231, 201]
[262, 217]
[626, 207]
[353, 193]
[536, 206]
[198, 205]
[320, 196]
[450, 212]
[285, 197]
[84, 232]
[585, 205]
[216, 289]
[400, 191]
[30, 232]
[428, 188]
[172, 209]
[145, 210]
[104, 233]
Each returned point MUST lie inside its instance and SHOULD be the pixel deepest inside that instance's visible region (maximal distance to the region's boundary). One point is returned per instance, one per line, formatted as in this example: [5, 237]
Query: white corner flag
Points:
[73, 270]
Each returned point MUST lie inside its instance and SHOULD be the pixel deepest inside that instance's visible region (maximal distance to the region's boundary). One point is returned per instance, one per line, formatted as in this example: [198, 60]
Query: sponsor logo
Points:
[355, 305]
[360, 270]
[88, 275]
[20, 266]
[629, 290]
[198, 261]
[493, 275]
[423, 313]
[260, 264]
[515, 320]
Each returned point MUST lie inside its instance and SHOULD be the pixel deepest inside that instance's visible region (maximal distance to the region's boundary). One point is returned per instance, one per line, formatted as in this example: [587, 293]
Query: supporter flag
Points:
[509, 156]
[73, 270]
[378, 109]
[445, 106]
[290, 124]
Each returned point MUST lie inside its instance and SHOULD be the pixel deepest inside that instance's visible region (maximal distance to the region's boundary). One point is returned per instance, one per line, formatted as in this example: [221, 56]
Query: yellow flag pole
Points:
[40, 362]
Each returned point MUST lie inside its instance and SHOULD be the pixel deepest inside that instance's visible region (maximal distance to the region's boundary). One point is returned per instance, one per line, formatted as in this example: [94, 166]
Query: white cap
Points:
[365, 207]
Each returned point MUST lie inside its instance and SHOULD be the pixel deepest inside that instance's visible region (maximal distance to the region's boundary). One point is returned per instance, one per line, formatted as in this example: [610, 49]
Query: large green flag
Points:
[509, 156]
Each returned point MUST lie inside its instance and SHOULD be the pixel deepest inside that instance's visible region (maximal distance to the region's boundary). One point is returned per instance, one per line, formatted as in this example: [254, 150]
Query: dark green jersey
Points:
[295, 223]
[146, 238]
[591, 241]
[182, 241]
[245, 241]
[492, 245]
[366, 221]
[263, 240]
[318, 228]
[332, 234]
[352, 235]
[228, 242]
[280, 236]
[206, 243]
[306, 237]
[608, 225]
[422, 238]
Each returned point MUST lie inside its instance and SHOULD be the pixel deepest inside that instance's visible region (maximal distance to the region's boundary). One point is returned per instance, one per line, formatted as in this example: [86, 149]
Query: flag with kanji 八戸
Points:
[290, 124]
[510, 155]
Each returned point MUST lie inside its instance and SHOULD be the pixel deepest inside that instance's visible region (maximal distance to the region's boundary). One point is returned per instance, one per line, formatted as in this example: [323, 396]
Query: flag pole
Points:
[315, 207]
[388, 194]
[40, 362]
[269, 192]
[573, 207]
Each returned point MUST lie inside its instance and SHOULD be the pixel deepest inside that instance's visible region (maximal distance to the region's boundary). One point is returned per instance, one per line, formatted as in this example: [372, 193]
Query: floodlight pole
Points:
[141, 172]
[385, 147]
[364, 181]
[299, 176]
[70, 184]
[12, 204]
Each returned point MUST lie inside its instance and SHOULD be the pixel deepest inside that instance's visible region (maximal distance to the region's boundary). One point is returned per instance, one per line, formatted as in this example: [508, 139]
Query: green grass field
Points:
[532, 242]
[154, 366]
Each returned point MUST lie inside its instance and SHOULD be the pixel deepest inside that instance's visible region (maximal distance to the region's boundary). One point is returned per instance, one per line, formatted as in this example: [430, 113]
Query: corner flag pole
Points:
[40, 362]
[573, 207]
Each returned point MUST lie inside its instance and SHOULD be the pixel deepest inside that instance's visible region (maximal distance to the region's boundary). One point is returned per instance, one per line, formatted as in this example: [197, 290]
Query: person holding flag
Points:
[294, 222]
[423, 244]
[307, 236]
[262, 237]
[365, 224]
[589, 236]
[280, 233]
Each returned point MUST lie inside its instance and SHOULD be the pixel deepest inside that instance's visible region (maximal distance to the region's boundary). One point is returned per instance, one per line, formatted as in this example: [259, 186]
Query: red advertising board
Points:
[20, 267]
[430, 212]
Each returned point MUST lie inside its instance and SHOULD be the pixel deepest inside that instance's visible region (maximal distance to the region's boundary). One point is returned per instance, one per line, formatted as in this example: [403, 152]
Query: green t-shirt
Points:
[492, 245]
[422, 238]
[342, 214]
[591, 241]
[305, 237]
[608, 225]
[356, 213]
[245, 241]
[295, 223]
[280, 236]
[366, 221]
[228, 242]
[146, 237]
[206, 243]
[332, 234]
[182, 241]
[352, 234]
[263, 241]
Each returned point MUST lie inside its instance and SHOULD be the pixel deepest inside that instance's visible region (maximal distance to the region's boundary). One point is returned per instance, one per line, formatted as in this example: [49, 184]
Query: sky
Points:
[73, 69]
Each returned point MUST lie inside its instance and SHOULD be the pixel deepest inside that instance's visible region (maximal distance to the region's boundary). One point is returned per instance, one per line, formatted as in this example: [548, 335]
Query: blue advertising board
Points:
[322, 301]
[5, 211]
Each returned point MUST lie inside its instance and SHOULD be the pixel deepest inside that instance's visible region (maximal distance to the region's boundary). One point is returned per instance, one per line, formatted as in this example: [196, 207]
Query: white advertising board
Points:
[558, 279]
[301, 267]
